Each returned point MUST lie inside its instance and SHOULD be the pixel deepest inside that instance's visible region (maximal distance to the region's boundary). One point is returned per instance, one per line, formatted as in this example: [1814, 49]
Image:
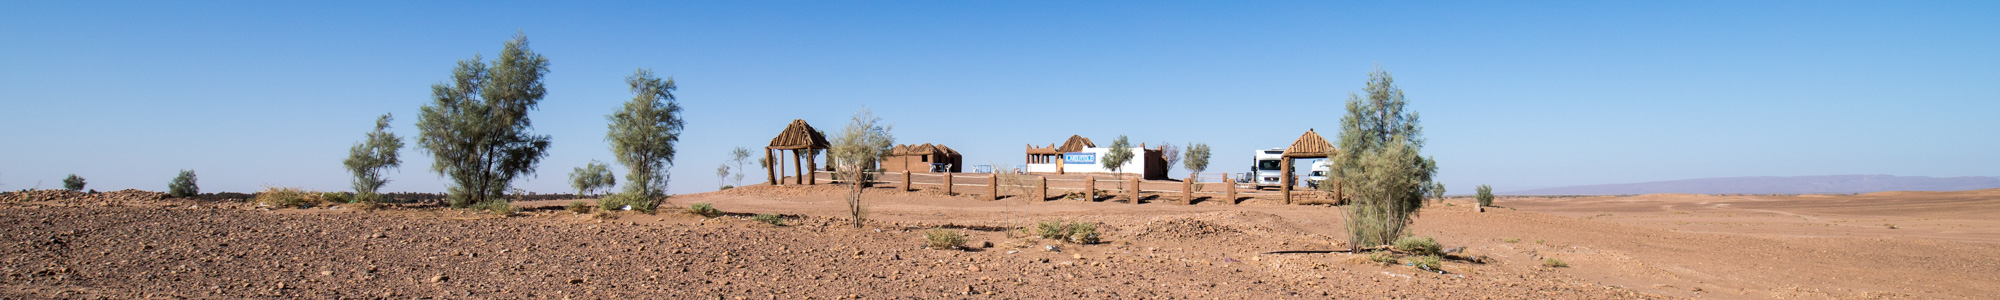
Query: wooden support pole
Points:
[1187, 190]
[1285, 183]
[1135, 191]
[947, 184]
[907, 184]
[993, 186]
[1232, 189]
[1089, 188]
[770, 172]
[811, 167]
[1042, 188]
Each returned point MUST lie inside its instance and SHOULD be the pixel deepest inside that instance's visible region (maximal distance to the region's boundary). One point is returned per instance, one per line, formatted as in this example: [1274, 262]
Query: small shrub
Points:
[1510, 240]
[703, 209]
[335, 197]
[1078, 232]
[284, 197]
[73, 183]
[1554, 263]
[637, 201]
[1382, 258]
[1083, 233]
[941, 239]
[1419, 245]
[1485, 195]
[578, 207]
[727, 187]
[496, 206]
[774, 220]
[1054, 230]
[1427, 262]
[1890, 226]
[183, 185]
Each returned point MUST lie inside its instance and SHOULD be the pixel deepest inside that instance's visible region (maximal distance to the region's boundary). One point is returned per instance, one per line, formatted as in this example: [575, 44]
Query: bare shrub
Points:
[578, 207]
[942, 239]
[1419, 245]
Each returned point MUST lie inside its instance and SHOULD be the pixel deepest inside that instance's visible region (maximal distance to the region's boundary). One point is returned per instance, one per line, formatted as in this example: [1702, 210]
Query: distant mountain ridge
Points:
[1831, 184]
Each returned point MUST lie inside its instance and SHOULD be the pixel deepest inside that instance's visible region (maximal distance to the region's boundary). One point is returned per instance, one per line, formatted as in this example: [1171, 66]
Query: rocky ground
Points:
[140, 246]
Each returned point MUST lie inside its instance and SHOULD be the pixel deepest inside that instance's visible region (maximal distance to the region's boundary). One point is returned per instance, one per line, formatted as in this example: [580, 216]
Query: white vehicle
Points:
[1320, 170]
[1268, 169]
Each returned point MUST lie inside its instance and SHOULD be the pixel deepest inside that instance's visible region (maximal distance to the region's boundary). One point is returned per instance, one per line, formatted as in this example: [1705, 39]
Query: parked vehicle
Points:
[1320, 170]
[1267, 170]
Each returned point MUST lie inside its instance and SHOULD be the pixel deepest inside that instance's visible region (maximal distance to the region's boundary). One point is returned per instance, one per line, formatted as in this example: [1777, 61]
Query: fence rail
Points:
[989, 185]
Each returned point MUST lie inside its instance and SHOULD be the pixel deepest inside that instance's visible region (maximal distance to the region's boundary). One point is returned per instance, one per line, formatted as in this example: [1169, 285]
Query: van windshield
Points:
[1271, 164]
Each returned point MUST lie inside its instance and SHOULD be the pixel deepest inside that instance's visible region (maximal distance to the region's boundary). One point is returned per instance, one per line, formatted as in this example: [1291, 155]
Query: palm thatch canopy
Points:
[947, 151]
[925, 149]
[1309, 145]
[799, 135]
[1076, 143]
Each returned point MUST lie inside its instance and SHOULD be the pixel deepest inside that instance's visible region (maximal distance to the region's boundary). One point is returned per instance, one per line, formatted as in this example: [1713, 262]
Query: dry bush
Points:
[578, 207]
[942, 239]
[1383, 257]
[774, 220]
[1077, 232]
[1427, 262]
[703, 209]
[497, 206]
[1554, 263]
[279, 196]
[1419, 245]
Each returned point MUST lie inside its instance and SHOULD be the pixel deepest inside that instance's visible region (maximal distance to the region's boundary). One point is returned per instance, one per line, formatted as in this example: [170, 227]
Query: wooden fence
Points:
[1212, 186]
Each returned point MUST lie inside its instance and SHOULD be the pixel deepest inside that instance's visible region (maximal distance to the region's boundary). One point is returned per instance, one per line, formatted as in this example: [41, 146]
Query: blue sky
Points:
[1517, 95]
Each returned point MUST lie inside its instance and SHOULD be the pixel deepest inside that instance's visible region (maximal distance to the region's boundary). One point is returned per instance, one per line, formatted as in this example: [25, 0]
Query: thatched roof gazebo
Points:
[804, 142]
[1309, 145]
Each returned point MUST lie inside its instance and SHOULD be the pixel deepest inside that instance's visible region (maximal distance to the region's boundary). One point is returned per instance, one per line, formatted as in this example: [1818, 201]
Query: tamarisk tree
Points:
[476, 126]
[643, 133]
[370, 157]
[1379, 164]
[856, 151]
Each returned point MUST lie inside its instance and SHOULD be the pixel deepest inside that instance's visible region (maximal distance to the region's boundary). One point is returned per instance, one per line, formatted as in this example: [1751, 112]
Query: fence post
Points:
[1135, 191]
[947, 183]
[1042, 187]
[1089, 188]
[1232, 189]
[993, 186]
[1187, 190]
[907, 184]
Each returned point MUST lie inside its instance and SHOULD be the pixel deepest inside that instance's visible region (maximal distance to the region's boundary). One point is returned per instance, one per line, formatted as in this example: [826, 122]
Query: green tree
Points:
[1485, 195]
[476, 127]
[1121, 152]
[183, 185]
[721, 176]
[643, 133]
[368, 158]
[1437, 192]
[1379, 166]
[856, 151]
[73, 183]
[1197, 158]
[739, 156]
[594, 176]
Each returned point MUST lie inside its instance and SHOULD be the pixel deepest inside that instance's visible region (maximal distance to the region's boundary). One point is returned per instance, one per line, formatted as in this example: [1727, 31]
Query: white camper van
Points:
[1320, 170]
[1268, 169]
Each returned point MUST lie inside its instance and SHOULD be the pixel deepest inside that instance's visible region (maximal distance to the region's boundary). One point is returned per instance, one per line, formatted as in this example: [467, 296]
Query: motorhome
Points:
[1268, 168]
[1320, 170]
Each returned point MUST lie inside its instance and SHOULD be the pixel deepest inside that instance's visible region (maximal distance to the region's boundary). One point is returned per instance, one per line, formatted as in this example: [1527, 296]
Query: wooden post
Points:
[907, 184]
[1042, 189]
[993, 185]
[947, 184]
[812, 167]
[1187, 190]
[1232, 189]
[1135, 191]
[770, 172]
[1285, 181]
[1089, 188]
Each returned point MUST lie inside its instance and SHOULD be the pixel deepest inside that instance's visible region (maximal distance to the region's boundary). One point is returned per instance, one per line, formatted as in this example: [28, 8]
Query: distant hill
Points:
[1834, 184]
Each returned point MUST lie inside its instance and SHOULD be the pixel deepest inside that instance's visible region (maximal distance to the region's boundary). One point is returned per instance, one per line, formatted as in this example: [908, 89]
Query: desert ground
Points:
[137, 244]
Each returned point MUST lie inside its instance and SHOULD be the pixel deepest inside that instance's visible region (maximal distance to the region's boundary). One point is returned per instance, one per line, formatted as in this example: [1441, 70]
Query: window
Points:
[1269, 164]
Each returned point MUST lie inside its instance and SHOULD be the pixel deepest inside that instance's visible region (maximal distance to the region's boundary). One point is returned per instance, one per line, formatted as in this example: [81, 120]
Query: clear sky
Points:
[1517, 95]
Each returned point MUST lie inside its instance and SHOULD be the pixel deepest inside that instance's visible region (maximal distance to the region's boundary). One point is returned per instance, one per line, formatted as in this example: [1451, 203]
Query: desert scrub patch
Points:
[498, 207]
[1510, 240]
[337, 197]
[285, 197]
[774, 220]
[1382, 257]
[578, 207]
[1554, 263]
[943, 239]
[1073, 232]
[1427, 262]
[703, 209]
[1419, 245]
[635, 201]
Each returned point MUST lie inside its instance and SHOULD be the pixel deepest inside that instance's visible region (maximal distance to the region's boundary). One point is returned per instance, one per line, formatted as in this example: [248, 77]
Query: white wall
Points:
[1096, 158]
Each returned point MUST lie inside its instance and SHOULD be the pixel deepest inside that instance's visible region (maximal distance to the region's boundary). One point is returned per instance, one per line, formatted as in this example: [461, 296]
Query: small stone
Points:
[986, 244]
[576, 281]
[974, 268]
[439, 278]
[325, 273]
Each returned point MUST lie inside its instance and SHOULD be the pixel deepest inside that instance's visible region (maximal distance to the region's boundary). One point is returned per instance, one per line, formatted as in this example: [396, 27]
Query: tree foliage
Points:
[369, 158]
[476, 127]
[721, 176]
[1171, 153]
[1197, 157]
[592, 177]
[1121, 152]
[856, 151]
[739, 156]
[183, 185]
[644, 131]
[1379, 166]
[1485, 195]
[74, 183]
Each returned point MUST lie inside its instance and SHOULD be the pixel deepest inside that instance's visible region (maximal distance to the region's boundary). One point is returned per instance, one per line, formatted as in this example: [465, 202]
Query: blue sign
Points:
[1079, 158]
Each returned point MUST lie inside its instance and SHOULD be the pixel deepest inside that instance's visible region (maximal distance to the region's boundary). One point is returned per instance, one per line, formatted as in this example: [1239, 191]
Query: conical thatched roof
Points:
[1075, 143]
[946, 150]
[1309, 145]
[925, 149]
[798, 135]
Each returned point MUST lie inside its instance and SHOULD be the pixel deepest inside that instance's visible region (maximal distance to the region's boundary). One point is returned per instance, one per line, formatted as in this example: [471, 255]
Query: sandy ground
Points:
[1653, 246]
